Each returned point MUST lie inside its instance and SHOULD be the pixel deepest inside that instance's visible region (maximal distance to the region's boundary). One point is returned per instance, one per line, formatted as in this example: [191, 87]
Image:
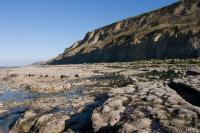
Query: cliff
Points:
[170, 32]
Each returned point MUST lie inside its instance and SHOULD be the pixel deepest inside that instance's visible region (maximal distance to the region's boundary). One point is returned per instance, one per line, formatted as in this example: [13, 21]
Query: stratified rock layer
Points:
[170, 32]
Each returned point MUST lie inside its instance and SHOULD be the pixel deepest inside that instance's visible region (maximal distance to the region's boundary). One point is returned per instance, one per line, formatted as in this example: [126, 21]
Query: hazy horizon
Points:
[37, 30]
[7, 63]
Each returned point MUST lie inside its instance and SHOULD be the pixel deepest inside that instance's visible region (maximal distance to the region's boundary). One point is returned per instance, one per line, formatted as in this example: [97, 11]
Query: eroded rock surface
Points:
[149, 96]
[152, 107]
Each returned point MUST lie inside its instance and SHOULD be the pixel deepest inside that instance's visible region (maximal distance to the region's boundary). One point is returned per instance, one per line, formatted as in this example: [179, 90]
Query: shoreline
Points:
[119, 97]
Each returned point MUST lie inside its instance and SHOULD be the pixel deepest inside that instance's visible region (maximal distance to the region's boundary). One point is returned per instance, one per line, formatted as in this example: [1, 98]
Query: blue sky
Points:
[34, 30]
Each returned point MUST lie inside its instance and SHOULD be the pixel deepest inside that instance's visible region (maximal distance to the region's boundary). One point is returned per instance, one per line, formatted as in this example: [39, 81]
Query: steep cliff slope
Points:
[170, 32]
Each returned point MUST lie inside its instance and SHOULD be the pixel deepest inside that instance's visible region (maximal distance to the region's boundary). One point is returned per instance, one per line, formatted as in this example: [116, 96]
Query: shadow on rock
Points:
[82, 122]
[8, 119]
[186, 92]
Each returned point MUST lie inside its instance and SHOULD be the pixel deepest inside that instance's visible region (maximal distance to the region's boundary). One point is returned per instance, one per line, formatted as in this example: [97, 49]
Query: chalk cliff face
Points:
[170, 32]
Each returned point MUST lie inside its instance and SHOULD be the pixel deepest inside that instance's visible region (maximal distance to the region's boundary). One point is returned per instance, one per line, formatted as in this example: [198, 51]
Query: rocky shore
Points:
[143, 97]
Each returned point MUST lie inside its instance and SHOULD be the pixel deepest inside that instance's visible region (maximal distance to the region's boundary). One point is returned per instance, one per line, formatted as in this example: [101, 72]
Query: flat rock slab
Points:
[105, 98]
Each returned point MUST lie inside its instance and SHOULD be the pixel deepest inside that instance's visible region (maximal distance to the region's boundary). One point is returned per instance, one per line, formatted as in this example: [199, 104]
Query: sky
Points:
[37, 30]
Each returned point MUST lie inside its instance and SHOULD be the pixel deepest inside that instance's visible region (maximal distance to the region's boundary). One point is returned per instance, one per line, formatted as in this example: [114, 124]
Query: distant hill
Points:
[170, 32]
[8, 67]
